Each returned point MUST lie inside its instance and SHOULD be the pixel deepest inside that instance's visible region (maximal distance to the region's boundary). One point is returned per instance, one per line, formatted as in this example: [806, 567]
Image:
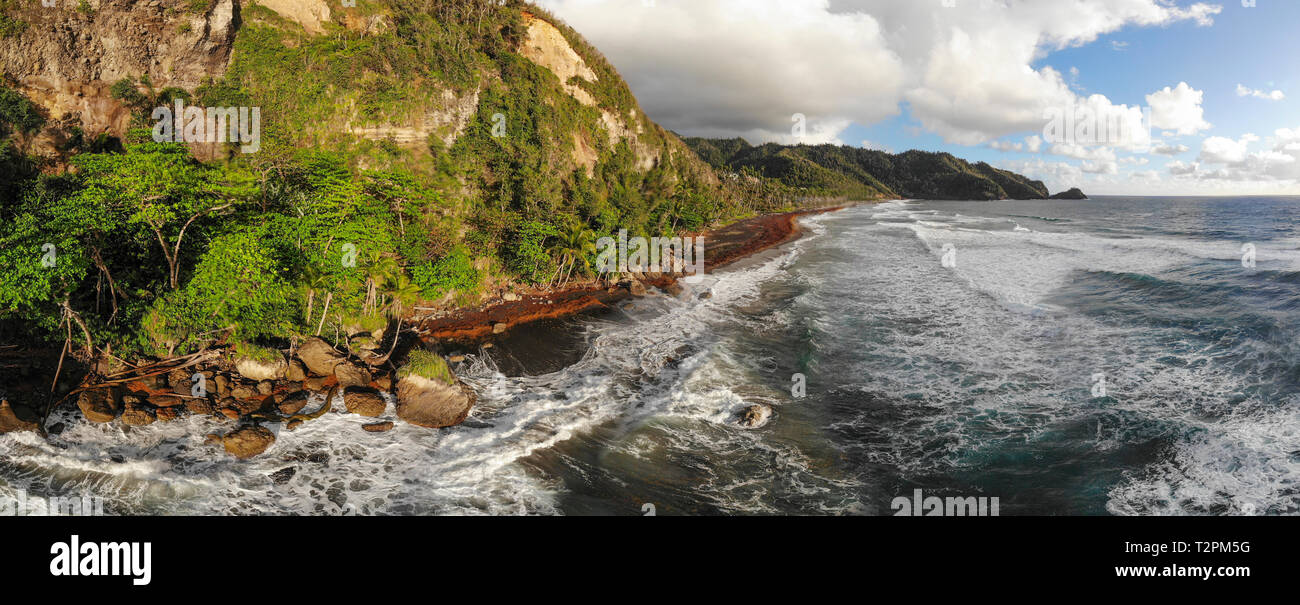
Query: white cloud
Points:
[1178, 109]
[1276, 95]
[1170, 149]
[1222, 150]
[742, 67]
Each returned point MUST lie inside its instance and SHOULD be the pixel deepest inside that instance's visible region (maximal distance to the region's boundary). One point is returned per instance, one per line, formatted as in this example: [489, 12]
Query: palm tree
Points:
[574, 248]
[379, 270]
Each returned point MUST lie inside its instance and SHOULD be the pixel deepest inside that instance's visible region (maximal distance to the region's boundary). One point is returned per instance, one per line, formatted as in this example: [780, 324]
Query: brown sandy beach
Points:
[722, 246]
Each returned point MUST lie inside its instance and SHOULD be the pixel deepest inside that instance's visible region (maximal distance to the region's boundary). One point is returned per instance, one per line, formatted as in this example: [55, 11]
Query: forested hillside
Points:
[867, 174]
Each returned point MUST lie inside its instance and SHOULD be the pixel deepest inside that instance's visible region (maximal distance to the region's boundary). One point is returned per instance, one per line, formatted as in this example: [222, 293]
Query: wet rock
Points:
[296, 372]
[293, 425]
[706, 295]
[273, 368]
[433, 403]
[248, 441]
[283, 475]
[293, 403]
[138, 415]
[99, 405]
[636, 288]
[15, 418]
[499, 328]
[364, 402]
[319, 357]
[167, 414]
[755, 416]
[378, 427]
[674, 289]
[351, 375]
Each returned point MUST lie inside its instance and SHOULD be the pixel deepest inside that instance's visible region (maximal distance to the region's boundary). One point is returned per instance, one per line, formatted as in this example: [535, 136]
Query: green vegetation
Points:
[866, 174]
[427, 365]
[246, 350]
[417, 158]
[11, 27]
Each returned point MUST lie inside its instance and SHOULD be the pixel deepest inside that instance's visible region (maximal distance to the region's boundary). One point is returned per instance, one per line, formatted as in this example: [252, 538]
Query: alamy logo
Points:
[949, 258]
[130, 559]
[209, 125]
[920, 505]
[1248, 256]
[21, 505]
[684, 255]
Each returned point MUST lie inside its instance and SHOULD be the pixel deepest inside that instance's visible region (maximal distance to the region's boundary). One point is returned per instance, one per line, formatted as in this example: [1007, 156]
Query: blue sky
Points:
[918, 74]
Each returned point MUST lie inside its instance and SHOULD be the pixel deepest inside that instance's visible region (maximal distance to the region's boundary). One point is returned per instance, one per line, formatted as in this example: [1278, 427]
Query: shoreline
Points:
[473, 326]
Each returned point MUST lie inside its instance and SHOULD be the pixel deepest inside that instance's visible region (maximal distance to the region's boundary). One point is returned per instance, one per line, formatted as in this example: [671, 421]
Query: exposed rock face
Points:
[755, 416]
[364, 402]
[433, 404]
[16, 418]
[311, 14]
[247, 442]
[546, 46]
[258, 371]
[66, 59]
[99, 405]
[319, 357]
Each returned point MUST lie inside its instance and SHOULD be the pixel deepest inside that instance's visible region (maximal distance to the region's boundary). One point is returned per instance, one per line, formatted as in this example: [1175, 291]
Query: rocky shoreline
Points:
[249, 387]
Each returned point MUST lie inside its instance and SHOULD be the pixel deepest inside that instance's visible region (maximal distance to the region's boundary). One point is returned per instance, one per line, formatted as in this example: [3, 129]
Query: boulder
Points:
[242, 392]
[15, 418]
[294, 403]
[314, 384]
[378, 427]
[296, 372]
[674, 289]
[265, 387]
[433, 403]
[351, 375]
[319, 357]
[179, 380]
[167, 414]
[636, 288]
[165, 401]
[248, 441]
[201, 407]
[223, 386]
[755, 416]
[259, 370]
[384, 382]
[138, 415]
[364, 402]
[99, 405]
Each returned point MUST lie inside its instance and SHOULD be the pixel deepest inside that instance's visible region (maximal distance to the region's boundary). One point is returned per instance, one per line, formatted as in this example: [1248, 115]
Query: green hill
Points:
[866, 174]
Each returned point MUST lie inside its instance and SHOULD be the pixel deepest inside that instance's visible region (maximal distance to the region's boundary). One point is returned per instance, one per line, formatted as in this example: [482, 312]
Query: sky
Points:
[1137, 97]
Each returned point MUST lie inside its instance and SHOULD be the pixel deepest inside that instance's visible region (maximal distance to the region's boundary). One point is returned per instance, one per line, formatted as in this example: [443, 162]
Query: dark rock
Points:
[293, 403]
[138, 415]
[755, 416]
[283, 475]
[1073, 194]
[167, 414]
[201, 407]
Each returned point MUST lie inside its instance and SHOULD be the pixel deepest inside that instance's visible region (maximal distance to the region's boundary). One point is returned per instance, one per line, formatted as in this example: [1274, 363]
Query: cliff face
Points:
[65, 58]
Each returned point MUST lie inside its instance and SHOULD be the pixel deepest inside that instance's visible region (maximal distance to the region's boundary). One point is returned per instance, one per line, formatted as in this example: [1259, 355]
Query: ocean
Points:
[1124, 356]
